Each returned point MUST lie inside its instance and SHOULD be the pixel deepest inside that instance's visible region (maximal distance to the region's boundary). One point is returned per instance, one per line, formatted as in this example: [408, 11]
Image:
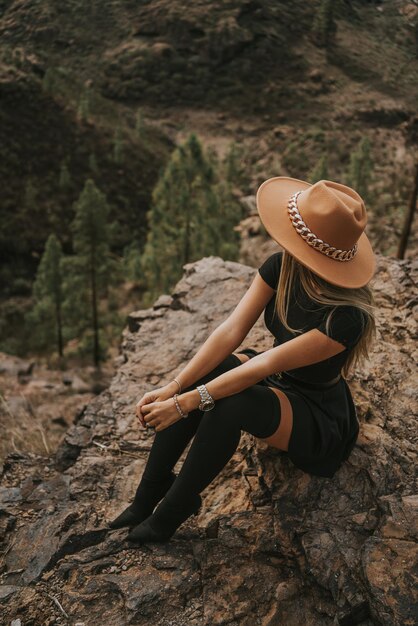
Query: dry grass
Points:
[37, 409]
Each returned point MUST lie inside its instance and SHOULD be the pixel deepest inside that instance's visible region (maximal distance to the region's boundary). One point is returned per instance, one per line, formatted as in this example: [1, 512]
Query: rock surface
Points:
[272, 545]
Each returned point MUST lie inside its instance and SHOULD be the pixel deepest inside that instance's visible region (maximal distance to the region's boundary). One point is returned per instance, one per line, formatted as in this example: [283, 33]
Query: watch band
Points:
[207, 400]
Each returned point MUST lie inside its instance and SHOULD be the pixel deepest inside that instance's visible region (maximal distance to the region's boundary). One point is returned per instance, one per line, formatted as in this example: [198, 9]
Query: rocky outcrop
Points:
[211, 50]
[272, 544]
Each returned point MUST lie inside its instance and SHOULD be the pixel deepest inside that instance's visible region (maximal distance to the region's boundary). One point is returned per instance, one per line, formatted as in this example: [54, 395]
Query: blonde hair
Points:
[330, 295]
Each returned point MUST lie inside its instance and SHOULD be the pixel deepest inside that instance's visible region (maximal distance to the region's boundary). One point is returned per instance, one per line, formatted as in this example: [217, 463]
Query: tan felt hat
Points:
[321, 225]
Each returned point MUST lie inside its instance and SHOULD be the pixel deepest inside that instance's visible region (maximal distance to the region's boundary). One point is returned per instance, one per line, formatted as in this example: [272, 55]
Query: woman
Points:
[318, 306]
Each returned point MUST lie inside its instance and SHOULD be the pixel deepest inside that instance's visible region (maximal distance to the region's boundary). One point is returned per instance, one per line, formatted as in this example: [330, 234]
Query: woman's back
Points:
[346, 324]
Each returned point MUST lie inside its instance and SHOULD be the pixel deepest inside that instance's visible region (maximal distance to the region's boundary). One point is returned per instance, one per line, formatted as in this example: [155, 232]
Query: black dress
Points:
[325, 423]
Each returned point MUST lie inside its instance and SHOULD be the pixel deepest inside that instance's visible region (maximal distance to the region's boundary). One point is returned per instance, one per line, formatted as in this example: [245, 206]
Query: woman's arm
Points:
[306, 349]
[221, 342]
[229, 335]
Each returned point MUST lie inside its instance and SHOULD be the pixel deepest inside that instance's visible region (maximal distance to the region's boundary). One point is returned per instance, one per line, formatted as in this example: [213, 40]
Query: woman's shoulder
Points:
[352, 311]
[269, 270]
[346, 324]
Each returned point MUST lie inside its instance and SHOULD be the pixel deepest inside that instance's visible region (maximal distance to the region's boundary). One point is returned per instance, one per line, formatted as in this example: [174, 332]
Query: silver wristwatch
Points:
[207, 401]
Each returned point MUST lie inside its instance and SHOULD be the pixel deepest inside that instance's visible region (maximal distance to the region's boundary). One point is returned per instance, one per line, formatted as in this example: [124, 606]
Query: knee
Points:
[242, 357]
[227, 364]
[226, 412]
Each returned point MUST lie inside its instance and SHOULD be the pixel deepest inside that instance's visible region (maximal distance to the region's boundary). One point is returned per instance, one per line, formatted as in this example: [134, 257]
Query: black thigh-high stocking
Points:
[255, 410]
[169, 444]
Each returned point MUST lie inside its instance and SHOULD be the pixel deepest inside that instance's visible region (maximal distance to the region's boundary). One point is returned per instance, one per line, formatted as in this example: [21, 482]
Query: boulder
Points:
[272, 544]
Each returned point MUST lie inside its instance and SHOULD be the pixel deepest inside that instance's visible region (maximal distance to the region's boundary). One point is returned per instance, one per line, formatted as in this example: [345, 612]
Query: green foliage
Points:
[64, 178]
[324, 27]
[48, 278]
[118, 146]
[193, 214]
[360, 168]
[93, 163]
[30, 195]
[84, 104]
[320, 170]
[139, 124]
[91, 271]
[48, 81]
[232, 165]
[87, 345]
[132, 261]
[294, 156]
[16, 334]
[46, 315]
[77, 302]
[53, 80]
[73, 300]
[90, 228]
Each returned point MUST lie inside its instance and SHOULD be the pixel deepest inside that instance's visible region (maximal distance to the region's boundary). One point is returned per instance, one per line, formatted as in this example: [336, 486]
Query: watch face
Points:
[207, 405]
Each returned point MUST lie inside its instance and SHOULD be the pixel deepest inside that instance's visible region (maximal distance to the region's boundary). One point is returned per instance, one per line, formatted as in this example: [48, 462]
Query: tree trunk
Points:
[406, 231]
[59, 328]
[96, 355]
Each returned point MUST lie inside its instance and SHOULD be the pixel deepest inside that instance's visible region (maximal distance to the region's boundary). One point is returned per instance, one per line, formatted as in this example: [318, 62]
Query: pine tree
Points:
[324, 26]
[64, 178]
[174, 209]
[46, 316]
[222, 216]
[320, 170]
[132, 261]
[234, 172]
[192, 215]
[91, 270]
[84, 105]
[360, 168]
[93, 163]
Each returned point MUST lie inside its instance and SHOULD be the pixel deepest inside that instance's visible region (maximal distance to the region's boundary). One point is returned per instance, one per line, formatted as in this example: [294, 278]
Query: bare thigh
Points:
[279, 439]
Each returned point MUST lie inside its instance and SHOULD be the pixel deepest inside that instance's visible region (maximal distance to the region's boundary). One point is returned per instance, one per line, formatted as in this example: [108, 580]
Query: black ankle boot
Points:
[146, 498]
[163, 523]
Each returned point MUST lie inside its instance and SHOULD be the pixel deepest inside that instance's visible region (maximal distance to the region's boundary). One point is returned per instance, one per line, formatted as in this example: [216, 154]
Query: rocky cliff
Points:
[272, 544]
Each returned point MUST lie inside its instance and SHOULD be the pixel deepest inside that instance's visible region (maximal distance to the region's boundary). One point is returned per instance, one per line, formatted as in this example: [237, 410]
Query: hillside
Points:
[247, 71]
[245, 55]
[42, 132]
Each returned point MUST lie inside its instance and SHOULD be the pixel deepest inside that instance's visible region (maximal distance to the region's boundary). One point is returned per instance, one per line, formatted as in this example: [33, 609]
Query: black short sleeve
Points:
[270, 269]
[346, 325]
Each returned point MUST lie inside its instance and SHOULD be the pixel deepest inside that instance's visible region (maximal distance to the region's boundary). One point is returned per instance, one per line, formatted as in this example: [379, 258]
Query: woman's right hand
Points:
[155, 395]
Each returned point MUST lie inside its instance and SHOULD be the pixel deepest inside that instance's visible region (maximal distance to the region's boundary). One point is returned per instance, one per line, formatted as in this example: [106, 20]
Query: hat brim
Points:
[272, 198]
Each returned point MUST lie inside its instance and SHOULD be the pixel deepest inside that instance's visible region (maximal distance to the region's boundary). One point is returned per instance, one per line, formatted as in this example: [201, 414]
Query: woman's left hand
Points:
[160, 414]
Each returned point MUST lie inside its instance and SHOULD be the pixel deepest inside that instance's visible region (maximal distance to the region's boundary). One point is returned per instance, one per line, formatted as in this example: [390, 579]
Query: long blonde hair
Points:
[326, 294]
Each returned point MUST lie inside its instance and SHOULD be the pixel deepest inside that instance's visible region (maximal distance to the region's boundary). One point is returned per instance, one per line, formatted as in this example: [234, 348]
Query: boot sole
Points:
[161, 538]
[133, 524]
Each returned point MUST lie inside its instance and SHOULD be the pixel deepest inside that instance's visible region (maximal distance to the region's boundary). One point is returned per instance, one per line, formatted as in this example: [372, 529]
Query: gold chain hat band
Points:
[305, 232]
